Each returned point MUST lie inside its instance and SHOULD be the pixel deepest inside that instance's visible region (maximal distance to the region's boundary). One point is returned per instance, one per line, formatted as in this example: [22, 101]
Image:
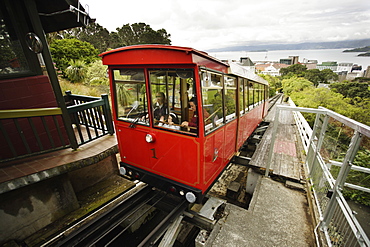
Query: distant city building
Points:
[328, 65]
[305, 60]
[345, 71]
[294, 59]
[310, 64]
[342, 75]
[354, 74]
[344, 67]
[247, 63]
[367, 72]
[289, 61]
[286, 61]
[356, 67]
[272, 69]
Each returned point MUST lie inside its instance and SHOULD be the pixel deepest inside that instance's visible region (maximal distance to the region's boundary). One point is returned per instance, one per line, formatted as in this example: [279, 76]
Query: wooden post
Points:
[36, 23]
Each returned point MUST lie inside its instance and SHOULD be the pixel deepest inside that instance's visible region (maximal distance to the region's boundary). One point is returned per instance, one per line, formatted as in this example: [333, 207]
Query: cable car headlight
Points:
[190, 197]
[149, 138]
[122, 171]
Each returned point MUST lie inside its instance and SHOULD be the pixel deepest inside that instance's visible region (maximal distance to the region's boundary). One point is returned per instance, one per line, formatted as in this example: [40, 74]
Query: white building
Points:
[272, 69]
[344, 67]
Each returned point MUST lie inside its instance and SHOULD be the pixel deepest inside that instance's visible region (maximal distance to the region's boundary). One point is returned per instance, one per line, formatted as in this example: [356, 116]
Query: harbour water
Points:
[321, 55]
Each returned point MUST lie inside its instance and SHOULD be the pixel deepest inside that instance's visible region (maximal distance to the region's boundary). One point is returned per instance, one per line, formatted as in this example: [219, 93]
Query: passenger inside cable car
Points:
[171, 123]
[192, 124]
[160, 107]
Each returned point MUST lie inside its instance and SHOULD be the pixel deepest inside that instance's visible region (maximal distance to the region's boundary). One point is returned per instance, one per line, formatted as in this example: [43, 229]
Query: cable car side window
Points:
[171, 91]
[230, 98]
[251, 95]
[130, 95]
[241, 96]
[246, 95]
[212, 97]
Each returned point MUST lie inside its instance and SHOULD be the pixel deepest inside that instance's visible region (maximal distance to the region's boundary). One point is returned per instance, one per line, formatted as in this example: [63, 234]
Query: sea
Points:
[321, 55]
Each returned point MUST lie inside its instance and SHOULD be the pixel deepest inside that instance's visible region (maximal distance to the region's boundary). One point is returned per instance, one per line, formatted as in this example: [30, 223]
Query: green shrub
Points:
[76, 72]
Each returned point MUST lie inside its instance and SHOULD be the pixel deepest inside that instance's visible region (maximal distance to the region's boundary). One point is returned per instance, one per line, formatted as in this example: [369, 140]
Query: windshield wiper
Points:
[133, 123]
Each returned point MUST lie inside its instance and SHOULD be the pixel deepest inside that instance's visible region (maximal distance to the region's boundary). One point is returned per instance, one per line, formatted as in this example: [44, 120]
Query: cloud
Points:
[207, 24]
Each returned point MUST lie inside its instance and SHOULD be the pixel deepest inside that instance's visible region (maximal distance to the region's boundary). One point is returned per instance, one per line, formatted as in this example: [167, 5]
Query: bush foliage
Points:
[66, 50]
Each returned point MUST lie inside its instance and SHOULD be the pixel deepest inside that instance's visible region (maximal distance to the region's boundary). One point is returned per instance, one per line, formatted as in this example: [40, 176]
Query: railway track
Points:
[139, 220]
[273, 100]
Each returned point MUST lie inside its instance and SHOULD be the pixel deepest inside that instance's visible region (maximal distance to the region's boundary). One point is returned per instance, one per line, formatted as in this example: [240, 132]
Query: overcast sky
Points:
[208, 24]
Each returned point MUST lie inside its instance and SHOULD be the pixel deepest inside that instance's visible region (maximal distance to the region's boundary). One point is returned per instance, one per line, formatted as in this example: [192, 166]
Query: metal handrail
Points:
[336, 222]
[35, 112]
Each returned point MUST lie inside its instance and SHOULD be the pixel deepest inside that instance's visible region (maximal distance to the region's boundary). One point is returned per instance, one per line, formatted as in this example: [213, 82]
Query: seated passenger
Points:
[172, 122]
[160, 107]
[193, 123]
[194, 120]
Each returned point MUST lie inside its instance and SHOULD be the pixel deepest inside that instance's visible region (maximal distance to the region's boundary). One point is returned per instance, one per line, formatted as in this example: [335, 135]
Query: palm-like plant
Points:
[76, 71]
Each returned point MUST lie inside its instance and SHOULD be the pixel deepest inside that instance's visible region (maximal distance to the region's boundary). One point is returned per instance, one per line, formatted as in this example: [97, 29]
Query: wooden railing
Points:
[31, 131]
[28, 132]
[91, 116]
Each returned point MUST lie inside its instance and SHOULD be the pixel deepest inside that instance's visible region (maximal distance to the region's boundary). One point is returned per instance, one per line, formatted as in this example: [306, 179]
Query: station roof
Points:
[62, 14]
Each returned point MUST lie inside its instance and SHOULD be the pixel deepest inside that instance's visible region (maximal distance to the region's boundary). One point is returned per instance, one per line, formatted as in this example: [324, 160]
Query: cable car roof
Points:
[228, 67]
[239, 70]
[187, 50]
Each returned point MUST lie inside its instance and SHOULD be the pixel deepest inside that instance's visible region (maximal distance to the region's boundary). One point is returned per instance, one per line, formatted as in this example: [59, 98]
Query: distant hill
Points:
[300, 46]
[365, 49]
[362, 49]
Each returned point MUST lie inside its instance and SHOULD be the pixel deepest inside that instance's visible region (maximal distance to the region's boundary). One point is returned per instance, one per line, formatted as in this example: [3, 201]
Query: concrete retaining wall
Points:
[26, 210]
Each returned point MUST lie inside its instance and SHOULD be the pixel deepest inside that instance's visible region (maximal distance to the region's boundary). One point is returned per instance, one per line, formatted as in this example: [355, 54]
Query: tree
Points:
[295, 84]
[274, 83]
[315, 97]
[141, 33]
[314, 76]
[293, 70]
[97, 74]
[328, 75]
[354, 91]
[102, 39]
[66, 50]
[95, 34]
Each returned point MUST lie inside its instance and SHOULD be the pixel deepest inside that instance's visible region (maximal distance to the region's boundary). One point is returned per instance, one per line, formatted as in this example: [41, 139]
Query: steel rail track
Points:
[273, 100]
[107, 229]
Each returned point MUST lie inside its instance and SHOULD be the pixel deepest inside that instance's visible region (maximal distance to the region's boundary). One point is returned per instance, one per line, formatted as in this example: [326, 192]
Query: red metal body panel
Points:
[230, 139]
[214, 155]
[248, 123]
[172, 155]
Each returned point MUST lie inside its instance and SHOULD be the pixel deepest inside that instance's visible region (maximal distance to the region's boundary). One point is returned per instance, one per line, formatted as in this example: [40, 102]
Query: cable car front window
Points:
[171, 90]
[130, 95]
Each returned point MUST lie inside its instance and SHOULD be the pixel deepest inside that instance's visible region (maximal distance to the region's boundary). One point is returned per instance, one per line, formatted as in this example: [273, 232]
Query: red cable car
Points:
[181, 115]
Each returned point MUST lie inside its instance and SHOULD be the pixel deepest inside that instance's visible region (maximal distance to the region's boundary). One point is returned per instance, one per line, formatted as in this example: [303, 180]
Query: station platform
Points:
[44, 194]
[22, 172]
[279, 213]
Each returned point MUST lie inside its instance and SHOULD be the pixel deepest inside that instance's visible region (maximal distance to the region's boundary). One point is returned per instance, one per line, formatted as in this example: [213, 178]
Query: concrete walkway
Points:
[279, 213]
[277, 216]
